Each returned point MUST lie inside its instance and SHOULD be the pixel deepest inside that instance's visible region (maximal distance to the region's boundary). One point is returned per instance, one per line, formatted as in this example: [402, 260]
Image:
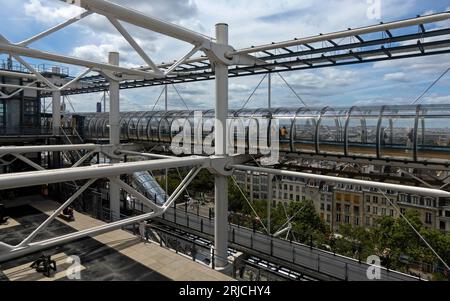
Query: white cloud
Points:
[436, 99]
[251, 22]
[396, 76]
[46, 12]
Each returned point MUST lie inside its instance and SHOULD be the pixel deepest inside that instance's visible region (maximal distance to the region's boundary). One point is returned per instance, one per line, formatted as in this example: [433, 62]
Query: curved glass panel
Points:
[284, 118]
[142, 126]
[238, 129]
[397, 132]
[92, 128]
[331, 131]
[99, 128]
[433, 133]
[304, 128]
[133, 126]
[361, 132]
[408, 133]
[105, 129]
[164, 126]
[153, 128]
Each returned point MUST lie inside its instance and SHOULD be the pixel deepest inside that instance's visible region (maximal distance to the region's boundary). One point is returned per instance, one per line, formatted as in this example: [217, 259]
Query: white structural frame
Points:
[221, 55]
[19, 151]
[91, 174]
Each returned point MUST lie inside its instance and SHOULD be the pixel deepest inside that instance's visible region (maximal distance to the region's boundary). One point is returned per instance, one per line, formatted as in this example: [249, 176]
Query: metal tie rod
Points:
[4, 150]
[382, 186]
[26, 179]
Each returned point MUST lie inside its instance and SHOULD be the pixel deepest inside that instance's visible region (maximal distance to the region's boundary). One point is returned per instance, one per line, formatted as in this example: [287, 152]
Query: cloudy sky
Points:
[251, 22]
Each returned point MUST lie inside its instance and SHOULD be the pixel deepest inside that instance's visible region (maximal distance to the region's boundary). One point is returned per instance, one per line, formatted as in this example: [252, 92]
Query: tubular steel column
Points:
[269, 91]
[221, 182]
[269, 200]
[56, 112]
[114, 135]
[166, 175]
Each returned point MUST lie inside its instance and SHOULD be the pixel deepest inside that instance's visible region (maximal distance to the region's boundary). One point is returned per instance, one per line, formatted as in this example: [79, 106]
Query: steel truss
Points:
[91, 174]
[354, 46]
[227, 62]
[19, 151]
[362, 45]
[113, 172]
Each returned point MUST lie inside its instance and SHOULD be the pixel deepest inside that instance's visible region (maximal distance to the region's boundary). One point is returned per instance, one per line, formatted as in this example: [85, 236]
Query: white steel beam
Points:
[27, 87]
[325, 37]
[350, 33]
[53, 29]
[33, 178]
[28, 161]
[28, 52]
[30, 68]
[82, 159]
[19, 90]
[8, 252]
[75, 79]
[57, 212]
[133, 192]
[134, 17]
[365, 183]
[147, 155]
[182, 60]
[135, 45]
[4, 150]
[17, 74]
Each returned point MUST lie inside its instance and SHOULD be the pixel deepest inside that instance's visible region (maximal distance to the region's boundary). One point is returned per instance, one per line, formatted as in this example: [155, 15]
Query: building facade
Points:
[341, 204]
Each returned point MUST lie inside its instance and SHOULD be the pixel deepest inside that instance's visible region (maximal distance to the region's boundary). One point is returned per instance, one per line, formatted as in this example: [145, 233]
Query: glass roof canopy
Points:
[411, 132]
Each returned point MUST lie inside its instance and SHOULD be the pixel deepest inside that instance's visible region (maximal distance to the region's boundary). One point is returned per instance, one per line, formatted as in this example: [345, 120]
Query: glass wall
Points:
[406, 133]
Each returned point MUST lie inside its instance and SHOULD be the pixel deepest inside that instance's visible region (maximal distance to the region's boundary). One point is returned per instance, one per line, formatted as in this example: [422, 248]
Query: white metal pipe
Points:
[114, 104]
[33, 178]
[8, 252]
[34, 53]
[56, 213]
[53, 29]
[19, 90]
[221, 149]
[4, 150]
[182, 60]
[284, 230]
[56, 112]
[28, 161]
[148, 155]
[269, 91]
[269, 203]
[114, 135]
[139, 19]
[17, 74]
[25, 87]
[324, 38]
[30, 68]
[75, 79]
[350, 33]
[135, 45]
[382, 186]
[82, 159]
[133, 192]
[184, 183]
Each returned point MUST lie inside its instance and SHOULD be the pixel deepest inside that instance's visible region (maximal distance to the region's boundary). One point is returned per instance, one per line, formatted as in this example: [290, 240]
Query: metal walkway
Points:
[314, 262]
